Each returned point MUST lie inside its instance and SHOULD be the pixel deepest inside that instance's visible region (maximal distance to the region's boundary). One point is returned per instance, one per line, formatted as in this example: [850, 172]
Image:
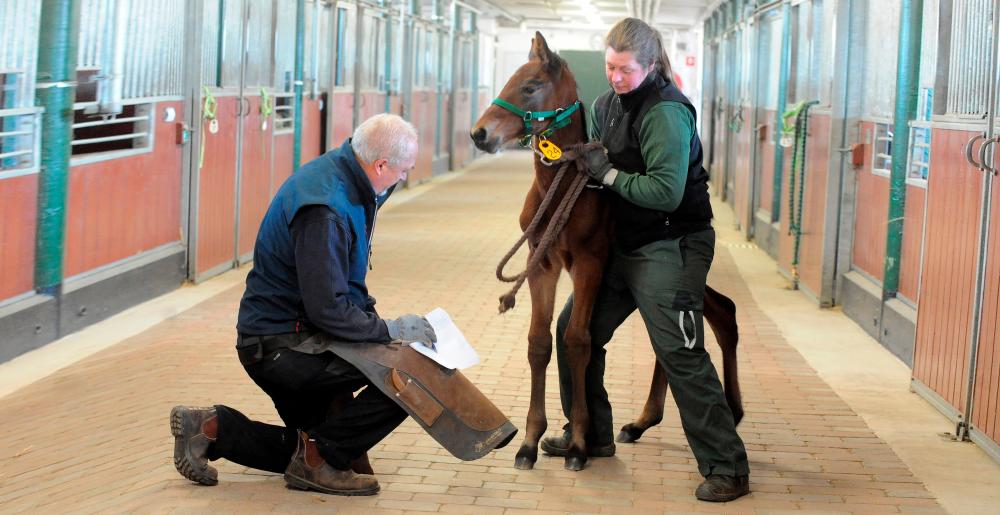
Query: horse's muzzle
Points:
[482, 141]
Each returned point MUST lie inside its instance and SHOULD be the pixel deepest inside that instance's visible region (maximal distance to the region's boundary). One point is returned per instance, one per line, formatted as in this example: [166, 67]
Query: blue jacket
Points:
[273, 301]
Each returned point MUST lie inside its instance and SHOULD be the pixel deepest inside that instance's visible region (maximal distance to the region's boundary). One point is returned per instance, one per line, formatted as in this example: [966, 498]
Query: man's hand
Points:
[412, 328]
[598, 165]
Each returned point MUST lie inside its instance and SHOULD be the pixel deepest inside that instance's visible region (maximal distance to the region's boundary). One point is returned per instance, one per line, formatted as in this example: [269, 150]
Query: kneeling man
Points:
[310, 261]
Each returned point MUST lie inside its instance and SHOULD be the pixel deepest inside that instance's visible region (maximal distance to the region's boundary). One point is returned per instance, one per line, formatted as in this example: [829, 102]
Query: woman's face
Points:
[623, 71]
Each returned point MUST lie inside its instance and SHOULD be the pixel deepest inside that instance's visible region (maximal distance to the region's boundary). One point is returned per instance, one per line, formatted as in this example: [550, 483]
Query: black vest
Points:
[619, 118]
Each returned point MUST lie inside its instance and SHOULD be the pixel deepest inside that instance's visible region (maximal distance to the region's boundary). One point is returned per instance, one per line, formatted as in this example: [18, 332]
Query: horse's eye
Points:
[528, 90]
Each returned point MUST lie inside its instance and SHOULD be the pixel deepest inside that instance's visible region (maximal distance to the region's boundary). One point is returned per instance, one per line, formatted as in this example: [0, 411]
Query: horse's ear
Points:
[540, 52]
[539, 49]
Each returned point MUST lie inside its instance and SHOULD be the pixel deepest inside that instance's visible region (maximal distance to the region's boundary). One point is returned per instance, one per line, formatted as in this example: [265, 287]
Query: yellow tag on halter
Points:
[549, 149]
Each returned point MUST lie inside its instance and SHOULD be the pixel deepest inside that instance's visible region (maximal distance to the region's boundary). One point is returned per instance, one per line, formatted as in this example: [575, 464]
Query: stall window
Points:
[882, 149]
[95, 134]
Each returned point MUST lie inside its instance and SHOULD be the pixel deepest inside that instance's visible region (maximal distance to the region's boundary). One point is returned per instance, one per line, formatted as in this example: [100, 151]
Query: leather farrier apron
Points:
[443, 401]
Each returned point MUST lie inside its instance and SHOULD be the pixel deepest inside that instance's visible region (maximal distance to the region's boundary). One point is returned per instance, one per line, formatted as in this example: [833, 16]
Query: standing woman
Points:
[652, 163]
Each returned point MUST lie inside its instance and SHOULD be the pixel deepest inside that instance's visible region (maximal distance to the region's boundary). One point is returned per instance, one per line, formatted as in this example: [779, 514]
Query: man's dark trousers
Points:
[302, 387]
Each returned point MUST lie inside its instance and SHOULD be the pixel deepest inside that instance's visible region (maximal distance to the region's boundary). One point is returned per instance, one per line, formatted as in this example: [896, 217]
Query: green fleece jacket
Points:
[665, 141]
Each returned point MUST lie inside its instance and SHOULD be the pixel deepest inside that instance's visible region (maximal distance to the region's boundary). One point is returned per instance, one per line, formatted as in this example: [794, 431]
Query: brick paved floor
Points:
[94, 437]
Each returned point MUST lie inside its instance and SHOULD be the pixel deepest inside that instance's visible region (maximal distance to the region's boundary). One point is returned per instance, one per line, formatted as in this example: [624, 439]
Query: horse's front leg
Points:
[586, 274]
[542, 284]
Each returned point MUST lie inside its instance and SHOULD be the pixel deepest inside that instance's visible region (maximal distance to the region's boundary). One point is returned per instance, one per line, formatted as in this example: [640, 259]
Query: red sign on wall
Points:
[689, 60]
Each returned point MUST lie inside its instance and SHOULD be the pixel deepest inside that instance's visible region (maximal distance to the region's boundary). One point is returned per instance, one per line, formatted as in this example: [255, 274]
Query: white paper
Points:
[452, 349]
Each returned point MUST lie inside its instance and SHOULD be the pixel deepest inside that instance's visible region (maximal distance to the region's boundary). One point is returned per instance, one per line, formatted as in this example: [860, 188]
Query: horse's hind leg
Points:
[720, 313]
[652, 411]
[543, 285]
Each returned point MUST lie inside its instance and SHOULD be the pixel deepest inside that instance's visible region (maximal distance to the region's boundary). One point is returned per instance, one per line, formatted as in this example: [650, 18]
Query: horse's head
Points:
[543, 84]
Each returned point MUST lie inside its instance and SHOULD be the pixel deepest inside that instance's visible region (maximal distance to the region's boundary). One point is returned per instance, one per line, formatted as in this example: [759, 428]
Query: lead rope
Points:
[556, 223]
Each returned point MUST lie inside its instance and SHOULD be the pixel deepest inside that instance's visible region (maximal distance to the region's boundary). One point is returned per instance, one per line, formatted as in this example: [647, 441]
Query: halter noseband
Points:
[560, 119]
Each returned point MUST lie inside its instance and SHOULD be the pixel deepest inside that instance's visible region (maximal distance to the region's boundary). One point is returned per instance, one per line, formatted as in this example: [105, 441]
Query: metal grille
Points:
[107, 137]
[971, 41]
[153, 39]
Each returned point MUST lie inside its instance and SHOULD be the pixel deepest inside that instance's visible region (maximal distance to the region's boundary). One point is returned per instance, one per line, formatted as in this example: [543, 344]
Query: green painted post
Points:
[300, 43]
[56, 92]
[911, 16]
[779, 151]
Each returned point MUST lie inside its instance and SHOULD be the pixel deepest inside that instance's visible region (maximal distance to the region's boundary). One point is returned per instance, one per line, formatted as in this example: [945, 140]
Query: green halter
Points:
[560, 119]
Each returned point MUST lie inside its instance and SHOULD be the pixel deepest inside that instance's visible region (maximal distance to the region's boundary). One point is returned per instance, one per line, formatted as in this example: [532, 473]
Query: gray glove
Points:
[411, 328]
[597, 163]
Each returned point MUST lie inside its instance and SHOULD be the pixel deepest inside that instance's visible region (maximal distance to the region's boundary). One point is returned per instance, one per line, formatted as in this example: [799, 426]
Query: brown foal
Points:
[545, 84]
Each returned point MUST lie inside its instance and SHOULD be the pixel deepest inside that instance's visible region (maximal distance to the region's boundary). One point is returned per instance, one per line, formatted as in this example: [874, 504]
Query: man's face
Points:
[623, 71]
[386, 174]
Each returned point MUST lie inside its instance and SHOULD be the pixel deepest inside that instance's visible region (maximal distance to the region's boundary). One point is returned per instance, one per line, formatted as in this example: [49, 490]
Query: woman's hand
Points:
[598, 165]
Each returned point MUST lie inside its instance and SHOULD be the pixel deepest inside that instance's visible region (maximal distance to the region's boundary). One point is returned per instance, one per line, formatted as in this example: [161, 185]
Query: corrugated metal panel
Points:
[771, 52]
[260, 44]
[882, 46]
[232, 45]
[284, 47]
[971, 43]
[19, 21]
[807, 50]
[929, 45]
[96, 18]
[154, 39]
[210, 42]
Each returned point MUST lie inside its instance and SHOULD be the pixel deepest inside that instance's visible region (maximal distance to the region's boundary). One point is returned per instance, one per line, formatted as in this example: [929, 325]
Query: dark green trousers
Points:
[665, 281]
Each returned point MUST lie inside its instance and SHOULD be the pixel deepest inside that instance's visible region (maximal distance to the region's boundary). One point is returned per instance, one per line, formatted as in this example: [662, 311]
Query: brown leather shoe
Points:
[308, 471]
[719, 488]
[559, 445]
[189, 426]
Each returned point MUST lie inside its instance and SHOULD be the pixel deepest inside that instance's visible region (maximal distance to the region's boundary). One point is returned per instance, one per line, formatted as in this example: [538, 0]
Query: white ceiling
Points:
[662, 14]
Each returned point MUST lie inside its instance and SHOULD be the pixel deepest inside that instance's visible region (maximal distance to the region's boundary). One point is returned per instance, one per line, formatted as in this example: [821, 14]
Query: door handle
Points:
[968, 149]
[982, 155]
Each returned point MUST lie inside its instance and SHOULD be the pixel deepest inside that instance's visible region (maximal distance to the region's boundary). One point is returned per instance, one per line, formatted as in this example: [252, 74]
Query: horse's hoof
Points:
[629, 434]
[524, 463]
[575, 463]
[525, 457]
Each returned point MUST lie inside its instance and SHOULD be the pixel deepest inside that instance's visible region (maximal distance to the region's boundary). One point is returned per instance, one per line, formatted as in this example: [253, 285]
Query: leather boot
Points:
[309, 471]
[194, 430]
[719, 488]
[559, 446]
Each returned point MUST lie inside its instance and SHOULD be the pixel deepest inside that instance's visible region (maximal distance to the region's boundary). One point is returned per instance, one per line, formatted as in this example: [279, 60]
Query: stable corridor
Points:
[830, 424]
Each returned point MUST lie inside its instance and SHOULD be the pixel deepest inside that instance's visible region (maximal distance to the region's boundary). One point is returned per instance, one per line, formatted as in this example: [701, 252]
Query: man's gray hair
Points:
[384, 136]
